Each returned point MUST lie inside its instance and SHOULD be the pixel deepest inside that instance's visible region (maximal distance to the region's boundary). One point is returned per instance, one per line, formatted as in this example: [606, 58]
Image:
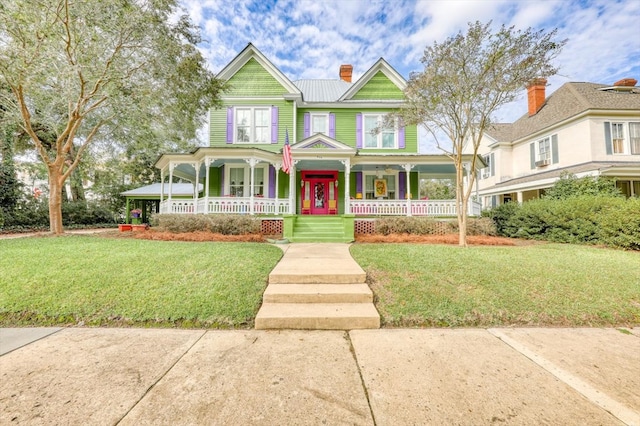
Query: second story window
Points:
[320, 124]
[253, 125]
[634, 137]
[386, 137]
[617, 137]
[544, 151]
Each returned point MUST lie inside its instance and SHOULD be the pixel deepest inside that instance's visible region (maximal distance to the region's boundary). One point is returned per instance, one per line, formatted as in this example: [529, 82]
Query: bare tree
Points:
[465, 80]
[86, 70]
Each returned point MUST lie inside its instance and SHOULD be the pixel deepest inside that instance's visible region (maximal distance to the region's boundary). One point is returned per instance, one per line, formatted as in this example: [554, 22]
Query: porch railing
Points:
[228, 205]
[444, 208]
[271, 206]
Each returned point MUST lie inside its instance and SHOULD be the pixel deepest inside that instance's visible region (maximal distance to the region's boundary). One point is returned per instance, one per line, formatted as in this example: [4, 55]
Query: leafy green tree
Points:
[465, 80]
[99, 75]
[571, 186]
[437, 189]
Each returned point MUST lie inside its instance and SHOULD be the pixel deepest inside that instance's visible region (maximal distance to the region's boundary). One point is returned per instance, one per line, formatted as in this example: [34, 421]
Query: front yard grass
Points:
[417, 285]
[94, 280]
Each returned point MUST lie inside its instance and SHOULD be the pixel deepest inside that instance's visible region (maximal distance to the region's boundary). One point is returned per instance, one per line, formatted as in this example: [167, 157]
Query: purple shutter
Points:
[274, 124]
[230, 125]
[358, 130]
[272, 181]
[402, 184]
[307, 125]
[332, 125]
[358, 182]
[401, 135]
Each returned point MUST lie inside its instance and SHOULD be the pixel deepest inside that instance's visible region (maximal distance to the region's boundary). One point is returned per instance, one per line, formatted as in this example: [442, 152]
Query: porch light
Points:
[336, 183]
[388, 170]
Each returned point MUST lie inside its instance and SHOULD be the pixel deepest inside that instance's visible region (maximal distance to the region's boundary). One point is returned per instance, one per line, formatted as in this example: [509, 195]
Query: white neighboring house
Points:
[586, 129]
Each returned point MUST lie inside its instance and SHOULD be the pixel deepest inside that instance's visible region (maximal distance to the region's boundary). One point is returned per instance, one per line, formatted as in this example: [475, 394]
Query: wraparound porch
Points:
[281, 206]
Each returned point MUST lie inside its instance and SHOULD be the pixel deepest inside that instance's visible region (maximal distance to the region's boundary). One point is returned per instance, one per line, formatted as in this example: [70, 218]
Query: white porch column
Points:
[252, 167]
[161, 185]
[196, 187]
[407, 168]
[347, 185]
[172, 166]
[520, 197]
[292, 188]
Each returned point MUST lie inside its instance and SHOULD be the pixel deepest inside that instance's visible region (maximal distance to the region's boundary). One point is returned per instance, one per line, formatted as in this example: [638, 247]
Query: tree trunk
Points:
[55, 202]
[461, 205]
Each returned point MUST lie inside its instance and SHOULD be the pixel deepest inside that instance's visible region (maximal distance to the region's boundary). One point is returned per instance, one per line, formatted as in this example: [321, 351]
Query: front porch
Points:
[277, 207]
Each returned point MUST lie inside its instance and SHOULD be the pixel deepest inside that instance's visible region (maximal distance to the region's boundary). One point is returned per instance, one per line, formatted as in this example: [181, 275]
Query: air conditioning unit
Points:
[542, 163]
[485, 173]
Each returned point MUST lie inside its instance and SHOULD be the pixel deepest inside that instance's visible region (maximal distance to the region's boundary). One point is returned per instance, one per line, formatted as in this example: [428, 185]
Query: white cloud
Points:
[311, 39]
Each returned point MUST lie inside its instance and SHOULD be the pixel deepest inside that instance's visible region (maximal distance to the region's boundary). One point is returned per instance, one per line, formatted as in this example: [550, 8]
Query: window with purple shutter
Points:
[307, 125]
[230, 125]
[332, 125]
[272, 181]
[401, 134]
[274, 124]
[358, 182]
[358, 130]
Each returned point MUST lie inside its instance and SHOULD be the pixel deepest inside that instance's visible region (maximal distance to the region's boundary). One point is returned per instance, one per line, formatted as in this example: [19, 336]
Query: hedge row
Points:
[611, 221]
[427, 226]
[219, 224]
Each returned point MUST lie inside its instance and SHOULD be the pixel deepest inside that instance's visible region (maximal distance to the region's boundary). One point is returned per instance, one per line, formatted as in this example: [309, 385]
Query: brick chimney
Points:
[345, 72]
[536, 95]
[629, 82]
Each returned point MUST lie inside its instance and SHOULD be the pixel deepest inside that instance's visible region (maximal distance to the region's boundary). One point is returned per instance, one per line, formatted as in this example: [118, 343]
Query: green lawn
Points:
[94, 280]
[542, 284]
[108, 281]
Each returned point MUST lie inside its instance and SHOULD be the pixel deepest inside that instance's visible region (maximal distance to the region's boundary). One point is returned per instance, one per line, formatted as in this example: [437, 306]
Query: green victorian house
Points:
[339, 169]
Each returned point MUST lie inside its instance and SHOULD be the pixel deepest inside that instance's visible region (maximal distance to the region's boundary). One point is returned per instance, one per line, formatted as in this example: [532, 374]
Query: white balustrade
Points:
[227, 205]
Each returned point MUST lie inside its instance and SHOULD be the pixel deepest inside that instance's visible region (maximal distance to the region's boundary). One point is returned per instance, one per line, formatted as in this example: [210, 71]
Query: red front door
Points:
[319, 194]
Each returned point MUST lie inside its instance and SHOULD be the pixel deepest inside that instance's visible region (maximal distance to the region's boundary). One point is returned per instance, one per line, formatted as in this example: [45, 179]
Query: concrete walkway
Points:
[78, 376]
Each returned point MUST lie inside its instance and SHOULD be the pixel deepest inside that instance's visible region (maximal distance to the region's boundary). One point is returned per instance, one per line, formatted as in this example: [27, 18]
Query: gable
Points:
[379, 87]
[254, 80]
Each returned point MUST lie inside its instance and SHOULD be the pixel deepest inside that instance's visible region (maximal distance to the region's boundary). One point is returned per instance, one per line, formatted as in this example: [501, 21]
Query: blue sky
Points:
[311, 38]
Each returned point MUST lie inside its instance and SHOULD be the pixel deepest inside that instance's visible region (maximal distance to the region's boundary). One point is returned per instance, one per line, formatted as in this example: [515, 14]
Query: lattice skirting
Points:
[271, 226]
[368, 226]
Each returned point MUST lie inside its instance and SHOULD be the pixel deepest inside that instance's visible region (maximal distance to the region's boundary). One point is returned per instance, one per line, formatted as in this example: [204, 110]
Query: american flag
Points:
[286, 154]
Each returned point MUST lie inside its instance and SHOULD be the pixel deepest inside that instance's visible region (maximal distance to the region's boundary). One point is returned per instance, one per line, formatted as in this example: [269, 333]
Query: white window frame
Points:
[379, 137]
[312, 129]
[252, 127]
[618, 141]
[543, 155]
[367, 193]
[486, 171]
[246, 184]
[634, 138]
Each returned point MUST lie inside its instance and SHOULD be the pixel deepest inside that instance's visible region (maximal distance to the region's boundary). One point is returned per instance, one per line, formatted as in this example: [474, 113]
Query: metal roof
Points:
[154, 190]
[322, 90]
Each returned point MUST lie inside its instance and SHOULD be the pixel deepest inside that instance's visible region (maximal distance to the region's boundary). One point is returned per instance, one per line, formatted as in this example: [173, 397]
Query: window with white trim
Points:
[488, 171]
[238, 180]
[252, 124]
[544, 150]
[387, 137]
[320, 124]
[617, 137]
[634, 137]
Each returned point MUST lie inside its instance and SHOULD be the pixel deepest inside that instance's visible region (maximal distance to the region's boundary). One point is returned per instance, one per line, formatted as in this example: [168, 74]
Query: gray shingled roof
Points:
[322, 90]
[569, 100]
[580, 168]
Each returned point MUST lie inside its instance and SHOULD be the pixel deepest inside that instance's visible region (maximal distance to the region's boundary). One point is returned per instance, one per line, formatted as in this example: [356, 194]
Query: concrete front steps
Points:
[317, 287]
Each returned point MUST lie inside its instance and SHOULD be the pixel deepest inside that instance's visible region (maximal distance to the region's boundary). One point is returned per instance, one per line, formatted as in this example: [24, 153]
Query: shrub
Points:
[502, 216]
[220, 224]
[571, 186]
[479, 226]
[411, 225]
[585, 219]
